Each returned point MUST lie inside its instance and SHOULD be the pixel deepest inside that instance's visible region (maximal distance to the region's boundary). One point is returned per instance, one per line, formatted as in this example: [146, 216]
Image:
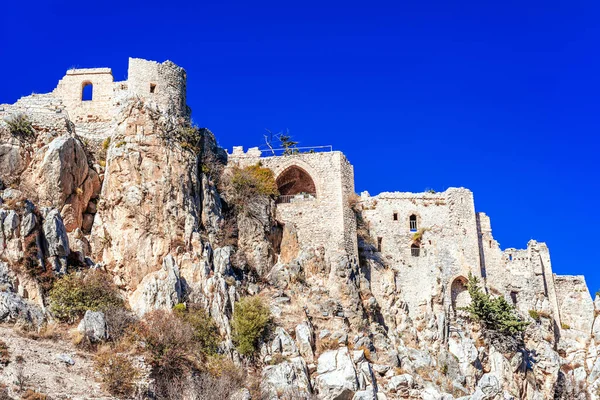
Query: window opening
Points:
[87, 91]
[413, 223]
[415, 250]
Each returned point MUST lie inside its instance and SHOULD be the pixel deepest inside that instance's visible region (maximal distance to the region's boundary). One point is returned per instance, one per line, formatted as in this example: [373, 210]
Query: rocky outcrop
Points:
[158, 290]
[93, 326]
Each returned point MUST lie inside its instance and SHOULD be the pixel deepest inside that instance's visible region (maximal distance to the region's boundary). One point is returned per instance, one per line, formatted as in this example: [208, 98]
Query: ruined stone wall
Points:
[575, 303]
[70, 89]
[523, 276]
[448, 247]
[160, 83]
[326, 221]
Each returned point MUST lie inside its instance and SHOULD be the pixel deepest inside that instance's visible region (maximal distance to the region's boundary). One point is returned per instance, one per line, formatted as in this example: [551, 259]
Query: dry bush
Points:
[41, 272]
[170, 348]
[4, 393]
[117, 372]
[244, 185]
[353, 202]
[33, 395]
[327, 344]
[119, 321]
[4, 354]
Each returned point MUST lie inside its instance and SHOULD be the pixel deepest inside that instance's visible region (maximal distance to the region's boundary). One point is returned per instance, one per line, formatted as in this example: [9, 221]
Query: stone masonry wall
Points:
[448, 247]
[326, 221]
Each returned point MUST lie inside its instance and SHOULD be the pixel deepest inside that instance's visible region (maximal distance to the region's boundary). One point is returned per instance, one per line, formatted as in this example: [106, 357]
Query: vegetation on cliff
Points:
[493, 313]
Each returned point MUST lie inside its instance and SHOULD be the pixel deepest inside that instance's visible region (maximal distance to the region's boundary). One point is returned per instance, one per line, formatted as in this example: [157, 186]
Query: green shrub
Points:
[117, 372]
[251, 322]
[20, 126]
[106, 144]
[493, 313]
[205, 331]
[74, 294]
[534, 314]
[246, 185]
[189, 138]
[565, 326]
[598, 293]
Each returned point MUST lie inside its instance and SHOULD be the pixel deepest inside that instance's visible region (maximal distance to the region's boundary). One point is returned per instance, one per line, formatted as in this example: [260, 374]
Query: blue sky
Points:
[498, 97]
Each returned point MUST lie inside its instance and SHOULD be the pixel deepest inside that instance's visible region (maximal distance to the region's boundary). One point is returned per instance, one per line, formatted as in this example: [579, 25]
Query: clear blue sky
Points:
[499, 97]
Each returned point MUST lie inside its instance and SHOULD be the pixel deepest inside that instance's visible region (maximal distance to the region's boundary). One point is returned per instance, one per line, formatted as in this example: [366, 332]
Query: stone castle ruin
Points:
[107, 185]
[431, 241]
[90, 98]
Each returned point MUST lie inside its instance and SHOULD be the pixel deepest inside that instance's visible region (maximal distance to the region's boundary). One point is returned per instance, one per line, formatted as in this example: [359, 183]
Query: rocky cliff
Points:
[146, 202]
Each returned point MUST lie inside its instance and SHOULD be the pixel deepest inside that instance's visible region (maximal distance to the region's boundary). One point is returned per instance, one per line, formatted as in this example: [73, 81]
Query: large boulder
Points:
[288, 378]
[13, 308]
[93, 326]
[56, 173]
[336, 375]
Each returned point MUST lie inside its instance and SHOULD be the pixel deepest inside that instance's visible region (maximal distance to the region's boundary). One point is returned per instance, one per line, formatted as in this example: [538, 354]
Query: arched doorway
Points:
[459, 293]
[295, 183]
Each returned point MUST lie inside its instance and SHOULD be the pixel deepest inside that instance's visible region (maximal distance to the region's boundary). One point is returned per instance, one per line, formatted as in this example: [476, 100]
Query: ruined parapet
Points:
[71, 87]
[161, 83]
[91, 100]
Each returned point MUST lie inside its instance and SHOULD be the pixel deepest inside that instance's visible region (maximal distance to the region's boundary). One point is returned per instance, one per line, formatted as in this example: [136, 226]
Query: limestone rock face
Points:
[255, 228]
[56, 172]
[158, 290]
[150, 198]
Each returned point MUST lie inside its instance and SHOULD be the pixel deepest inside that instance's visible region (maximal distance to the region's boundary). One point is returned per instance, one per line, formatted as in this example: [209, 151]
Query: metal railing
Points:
[296, 150]
[293, 198]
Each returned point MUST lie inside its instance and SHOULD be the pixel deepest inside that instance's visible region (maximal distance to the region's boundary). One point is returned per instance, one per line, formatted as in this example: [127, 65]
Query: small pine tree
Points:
[288, 145]
[250, 323]
[493, 313]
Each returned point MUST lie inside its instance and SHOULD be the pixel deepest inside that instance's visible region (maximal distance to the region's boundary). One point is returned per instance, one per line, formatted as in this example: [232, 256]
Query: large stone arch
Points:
[459, 294]
[303, 169]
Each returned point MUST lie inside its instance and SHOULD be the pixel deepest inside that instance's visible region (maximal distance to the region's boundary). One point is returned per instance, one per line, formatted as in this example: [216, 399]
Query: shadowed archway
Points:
[295, 180]
[459, 293]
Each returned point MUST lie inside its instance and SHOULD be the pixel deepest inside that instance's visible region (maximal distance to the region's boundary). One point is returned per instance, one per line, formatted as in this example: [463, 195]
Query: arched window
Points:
[413, 223]
[87, 91]
[415, 250]
[295, 183]
[460, 293]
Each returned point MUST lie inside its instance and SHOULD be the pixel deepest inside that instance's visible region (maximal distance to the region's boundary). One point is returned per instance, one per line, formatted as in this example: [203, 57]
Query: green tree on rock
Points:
[493, 313]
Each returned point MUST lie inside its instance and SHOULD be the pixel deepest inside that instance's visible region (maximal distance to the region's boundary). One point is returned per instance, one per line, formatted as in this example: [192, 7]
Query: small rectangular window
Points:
[395, 216]
[415, 251]
[152, 87]
[379, 240]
